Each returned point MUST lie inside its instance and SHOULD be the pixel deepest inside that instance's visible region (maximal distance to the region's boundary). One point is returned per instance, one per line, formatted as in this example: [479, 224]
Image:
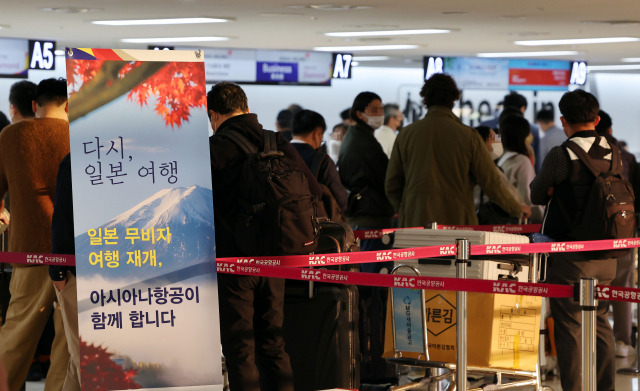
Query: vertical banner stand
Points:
[588, 304]
[462, 259]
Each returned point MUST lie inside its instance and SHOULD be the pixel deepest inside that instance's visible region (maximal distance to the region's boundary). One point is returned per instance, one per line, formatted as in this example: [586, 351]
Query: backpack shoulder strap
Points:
[270, 144]
[583, 155]
[616, 159]
[316, 162]
[241, 141]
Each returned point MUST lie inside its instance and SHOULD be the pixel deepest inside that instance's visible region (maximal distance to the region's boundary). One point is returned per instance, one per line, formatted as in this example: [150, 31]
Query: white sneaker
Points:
[622, 349]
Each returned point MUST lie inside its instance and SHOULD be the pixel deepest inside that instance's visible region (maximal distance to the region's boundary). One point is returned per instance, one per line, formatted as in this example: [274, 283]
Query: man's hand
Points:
[526, 211]
[60, 284]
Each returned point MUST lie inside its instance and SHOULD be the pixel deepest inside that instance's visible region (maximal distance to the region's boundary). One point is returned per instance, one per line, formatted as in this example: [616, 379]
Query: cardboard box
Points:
[503, 331]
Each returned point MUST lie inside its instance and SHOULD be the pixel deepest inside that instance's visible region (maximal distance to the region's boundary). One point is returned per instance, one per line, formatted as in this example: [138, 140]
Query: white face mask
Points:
[375, 121]
[498, 150]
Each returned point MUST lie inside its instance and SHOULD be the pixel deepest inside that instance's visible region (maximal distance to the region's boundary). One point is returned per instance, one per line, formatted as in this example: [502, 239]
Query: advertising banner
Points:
[143, 218]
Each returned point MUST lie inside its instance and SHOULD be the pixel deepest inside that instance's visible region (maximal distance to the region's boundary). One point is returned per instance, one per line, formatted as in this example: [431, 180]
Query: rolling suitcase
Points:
[321, 335]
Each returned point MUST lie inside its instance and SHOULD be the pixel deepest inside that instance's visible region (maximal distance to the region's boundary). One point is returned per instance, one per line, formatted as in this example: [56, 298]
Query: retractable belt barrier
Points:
[289, 266]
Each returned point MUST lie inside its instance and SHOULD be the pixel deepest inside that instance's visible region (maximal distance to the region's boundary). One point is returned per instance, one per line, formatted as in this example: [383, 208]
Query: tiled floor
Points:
[623, 382]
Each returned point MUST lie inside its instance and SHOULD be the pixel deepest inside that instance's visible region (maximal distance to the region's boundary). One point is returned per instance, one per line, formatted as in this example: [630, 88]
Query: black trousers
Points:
[251, 315]
[568, 268]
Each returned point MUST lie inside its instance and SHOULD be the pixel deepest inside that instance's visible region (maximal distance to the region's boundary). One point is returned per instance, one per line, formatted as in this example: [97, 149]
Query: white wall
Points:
[617, 94]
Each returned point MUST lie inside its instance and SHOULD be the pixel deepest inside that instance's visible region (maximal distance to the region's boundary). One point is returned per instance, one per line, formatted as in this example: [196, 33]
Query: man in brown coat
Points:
[436, 162]
[30, 153]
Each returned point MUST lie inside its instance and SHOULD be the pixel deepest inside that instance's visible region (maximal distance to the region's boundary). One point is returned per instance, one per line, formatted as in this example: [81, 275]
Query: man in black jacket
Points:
[64, 277]
[308, 128]
[566, 181]
[251, 307]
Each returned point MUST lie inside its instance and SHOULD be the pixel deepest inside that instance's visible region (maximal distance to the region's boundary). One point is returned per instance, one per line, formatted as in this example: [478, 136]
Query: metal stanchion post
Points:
[589, 305]
[462, 259]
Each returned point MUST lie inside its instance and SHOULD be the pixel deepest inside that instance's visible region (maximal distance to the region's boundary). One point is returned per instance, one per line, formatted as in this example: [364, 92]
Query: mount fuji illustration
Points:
[186, 211]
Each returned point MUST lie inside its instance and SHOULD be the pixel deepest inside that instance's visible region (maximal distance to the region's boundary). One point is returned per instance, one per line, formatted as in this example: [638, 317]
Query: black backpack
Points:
[277, 211]
[609, 212]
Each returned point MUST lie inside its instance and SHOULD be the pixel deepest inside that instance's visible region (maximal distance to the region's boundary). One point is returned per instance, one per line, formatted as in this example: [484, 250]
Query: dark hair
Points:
[390, 110]
[508, 111]
[21, 96]
[51, 91]
[4, 121]
[513, 99]
[294, 108]
[284, 118]
[440, 90]
[361, 102]
[306, 121]
[345, 114]
[545, 115]
[514, 129]
[226, 97]
[484, 131]
[579, 107]
[605, 123]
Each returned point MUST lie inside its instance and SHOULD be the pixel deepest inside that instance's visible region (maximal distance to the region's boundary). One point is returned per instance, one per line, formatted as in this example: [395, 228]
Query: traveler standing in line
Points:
[566, 182]
[251, 307]
[553, 135]
[363, 164]
[436, 163]
[622, 310]
[30, 153]
[21, 95]
[515, 162]
[308, 127]
[64, 277]
[386, 134]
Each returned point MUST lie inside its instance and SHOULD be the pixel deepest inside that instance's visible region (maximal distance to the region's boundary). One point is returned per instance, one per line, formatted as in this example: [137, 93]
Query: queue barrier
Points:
[289, 267]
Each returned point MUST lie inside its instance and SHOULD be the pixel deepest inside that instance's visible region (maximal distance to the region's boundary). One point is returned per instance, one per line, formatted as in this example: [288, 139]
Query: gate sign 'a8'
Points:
[578, 73]
[41, 55]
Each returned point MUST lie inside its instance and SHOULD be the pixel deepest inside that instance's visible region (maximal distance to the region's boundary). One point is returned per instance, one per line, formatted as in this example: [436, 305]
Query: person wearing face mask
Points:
[489, 212]
[516, 161]
[362, 165]
[308, 128]
[437, 161]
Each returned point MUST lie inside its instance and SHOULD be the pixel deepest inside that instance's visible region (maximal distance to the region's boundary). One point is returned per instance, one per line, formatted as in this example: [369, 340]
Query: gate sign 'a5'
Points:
[42, 55]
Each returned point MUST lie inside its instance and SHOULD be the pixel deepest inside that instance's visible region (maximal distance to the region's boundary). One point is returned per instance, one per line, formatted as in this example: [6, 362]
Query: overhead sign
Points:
[42, 55]
[578, 73]
[268, 66]
[548, 75]
[433, 65]
[14, 58]
[342, 63]
[503, 74]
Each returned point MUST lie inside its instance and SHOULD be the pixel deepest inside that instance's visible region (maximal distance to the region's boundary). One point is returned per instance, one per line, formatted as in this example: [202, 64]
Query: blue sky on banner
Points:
[145, 138]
